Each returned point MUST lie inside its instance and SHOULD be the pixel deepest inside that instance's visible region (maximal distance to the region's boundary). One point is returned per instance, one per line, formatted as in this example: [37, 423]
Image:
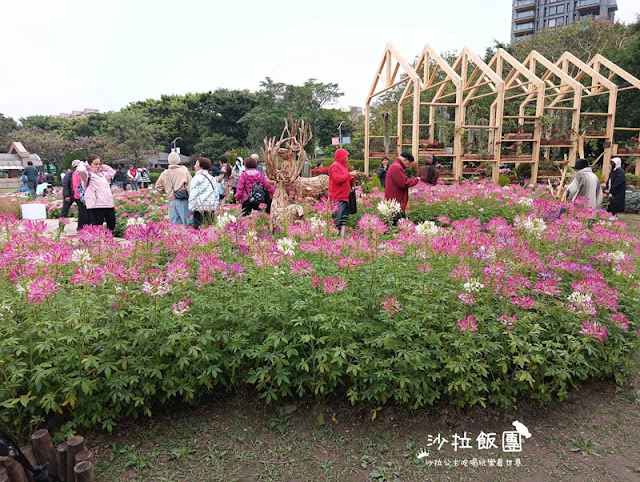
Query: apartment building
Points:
[529, 16]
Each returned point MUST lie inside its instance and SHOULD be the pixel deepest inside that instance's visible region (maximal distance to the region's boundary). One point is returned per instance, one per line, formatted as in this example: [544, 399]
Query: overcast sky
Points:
[66, 55]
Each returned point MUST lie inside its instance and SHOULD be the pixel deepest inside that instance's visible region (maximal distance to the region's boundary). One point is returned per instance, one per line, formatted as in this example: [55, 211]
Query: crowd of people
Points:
[194, 199]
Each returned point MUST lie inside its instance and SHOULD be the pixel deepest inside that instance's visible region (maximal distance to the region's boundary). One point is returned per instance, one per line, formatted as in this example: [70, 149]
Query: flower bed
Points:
[484, 296]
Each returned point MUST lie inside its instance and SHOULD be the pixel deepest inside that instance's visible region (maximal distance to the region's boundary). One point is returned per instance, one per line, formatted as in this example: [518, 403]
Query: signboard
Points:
[346, 140]
[335, 141]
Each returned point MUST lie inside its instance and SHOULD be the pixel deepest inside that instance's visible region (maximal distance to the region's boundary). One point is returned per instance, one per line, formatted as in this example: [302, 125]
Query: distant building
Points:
[157, 161]
[77, 113]
[13, 163]
[530, 16]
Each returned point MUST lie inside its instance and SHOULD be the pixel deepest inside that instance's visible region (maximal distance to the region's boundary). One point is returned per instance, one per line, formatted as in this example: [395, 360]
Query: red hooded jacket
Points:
[397, 184]
[340, 180]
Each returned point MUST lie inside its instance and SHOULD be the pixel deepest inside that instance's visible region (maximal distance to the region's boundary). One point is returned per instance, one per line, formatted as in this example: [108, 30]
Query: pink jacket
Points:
[247, 180]
[98, 191]
[75, 182]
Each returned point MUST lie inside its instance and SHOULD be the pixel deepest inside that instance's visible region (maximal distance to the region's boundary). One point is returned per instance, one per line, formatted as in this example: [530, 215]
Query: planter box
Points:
[548, 173]
[516, 158]
[518, 135]
[559, 142]
[606, 145]
[594, 133]
[481, 157]
[543, 142]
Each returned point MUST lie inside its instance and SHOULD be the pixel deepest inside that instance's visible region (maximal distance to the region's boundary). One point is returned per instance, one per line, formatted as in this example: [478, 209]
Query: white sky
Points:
[66, 55]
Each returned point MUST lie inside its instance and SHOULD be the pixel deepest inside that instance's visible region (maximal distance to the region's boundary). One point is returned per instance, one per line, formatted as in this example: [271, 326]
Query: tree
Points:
[7, 126]
[131, 136]
[49, 146]
[215, 145]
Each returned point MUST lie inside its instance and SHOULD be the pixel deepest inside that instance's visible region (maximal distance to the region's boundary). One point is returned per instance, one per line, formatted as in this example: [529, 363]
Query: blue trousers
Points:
[179, 211]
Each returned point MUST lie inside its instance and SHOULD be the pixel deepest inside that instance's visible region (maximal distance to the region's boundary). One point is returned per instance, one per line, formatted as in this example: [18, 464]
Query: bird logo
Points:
[423, 454]
[522, 429]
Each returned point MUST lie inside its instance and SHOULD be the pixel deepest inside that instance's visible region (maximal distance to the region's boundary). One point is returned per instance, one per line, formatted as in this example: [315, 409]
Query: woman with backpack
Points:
[253, 188]
[98, 199]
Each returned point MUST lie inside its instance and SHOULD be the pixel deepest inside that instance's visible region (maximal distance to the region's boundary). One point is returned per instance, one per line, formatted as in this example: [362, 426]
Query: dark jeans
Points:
[83, 219]
[32, 187]
[247, 207]
[98, 216]
[341, 216]
[199, 218]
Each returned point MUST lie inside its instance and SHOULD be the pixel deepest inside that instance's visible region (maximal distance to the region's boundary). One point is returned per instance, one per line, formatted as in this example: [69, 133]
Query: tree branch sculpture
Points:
[284, 160]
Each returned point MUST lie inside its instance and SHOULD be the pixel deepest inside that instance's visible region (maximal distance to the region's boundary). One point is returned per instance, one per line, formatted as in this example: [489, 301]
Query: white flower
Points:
[224, 219]
[525, 201]
[287, 246]
[388, 209]
[531, 224]
[135, 222]
[80, 256]
[318, 223]
[7, 308]
[19, 288]
[472, 285]
[252, 235]
[578, 298]
[427, 228]
[616, 256]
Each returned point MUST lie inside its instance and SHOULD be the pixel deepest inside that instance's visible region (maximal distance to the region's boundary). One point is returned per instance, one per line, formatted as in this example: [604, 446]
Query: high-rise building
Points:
[529, 16]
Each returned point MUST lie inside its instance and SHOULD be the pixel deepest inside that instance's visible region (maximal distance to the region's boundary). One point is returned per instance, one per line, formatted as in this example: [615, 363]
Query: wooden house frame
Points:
[525, 83]
[599, 64]
[599, 85]
[559, 87]
[473, 81]
[389, 75]
[432, 68]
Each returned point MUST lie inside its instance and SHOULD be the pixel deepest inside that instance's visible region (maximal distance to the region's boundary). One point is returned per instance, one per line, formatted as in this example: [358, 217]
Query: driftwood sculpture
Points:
[284, 160]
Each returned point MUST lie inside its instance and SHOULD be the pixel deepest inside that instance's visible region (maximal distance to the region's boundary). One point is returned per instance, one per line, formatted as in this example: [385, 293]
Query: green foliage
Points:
[215, 145]
[503, 180]
[523, 171]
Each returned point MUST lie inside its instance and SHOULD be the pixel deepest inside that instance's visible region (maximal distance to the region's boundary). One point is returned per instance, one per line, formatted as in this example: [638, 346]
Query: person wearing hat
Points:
[176, 178]
[235, 174]
[68, 197]
[340, 182]
[397, 183]
[616, 187]
[585, 184]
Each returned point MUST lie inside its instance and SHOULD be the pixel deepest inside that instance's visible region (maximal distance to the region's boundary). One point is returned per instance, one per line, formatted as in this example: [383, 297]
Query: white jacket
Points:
[203, 192]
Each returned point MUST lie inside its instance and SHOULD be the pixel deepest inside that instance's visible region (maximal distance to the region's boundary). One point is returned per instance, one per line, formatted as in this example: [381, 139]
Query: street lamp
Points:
[174, 143]
[340, 133]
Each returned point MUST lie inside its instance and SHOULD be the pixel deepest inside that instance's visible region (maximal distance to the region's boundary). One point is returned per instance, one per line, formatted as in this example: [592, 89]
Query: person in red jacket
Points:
[340, 182]
[397, 183]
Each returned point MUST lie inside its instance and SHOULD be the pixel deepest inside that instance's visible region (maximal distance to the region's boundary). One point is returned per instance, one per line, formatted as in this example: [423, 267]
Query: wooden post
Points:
[84, 456]
[74, 445]
[28, 452]
[61, 460]
[44, 450]
[84, 472]
[14, 469]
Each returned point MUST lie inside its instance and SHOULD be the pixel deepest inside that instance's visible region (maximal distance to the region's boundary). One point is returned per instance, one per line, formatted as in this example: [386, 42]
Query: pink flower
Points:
[595, 330]
[523, 302]
[468, 323]
[620, 321]
[391, 306]
[155, 285]
[331, 285]
[425, 267]
[507, 320]
[302, 267]
[467, 298]
[89, 276]
[41, 289]
[547, 287]
[372, 225]
[316, 282]
[181, 307]
[350, 263]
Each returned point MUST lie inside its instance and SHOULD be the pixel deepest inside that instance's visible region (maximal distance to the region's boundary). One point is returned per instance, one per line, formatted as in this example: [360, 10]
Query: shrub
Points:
[503, 180]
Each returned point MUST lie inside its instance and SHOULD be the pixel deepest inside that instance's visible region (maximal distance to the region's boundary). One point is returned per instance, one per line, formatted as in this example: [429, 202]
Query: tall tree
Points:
[131, 136]
[7, 126]
[51, 148]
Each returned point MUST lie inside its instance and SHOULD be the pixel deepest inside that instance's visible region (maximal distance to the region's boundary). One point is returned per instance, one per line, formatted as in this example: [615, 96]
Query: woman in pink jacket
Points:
[97, 192]
[246, 182]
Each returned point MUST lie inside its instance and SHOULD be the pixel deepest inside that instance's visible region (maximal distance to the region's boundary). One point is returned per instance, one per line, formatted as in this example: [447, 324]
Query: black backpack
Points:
[257, 194]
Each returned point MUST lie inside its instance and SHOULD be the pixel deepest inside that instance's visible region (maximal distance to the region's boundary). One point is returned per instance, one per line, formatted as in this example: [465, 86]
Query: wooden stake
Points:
[14, 469]
[74, 445]
[44, 450]
[28, 452]
[84, 472]
[61, 460]
[84, 456]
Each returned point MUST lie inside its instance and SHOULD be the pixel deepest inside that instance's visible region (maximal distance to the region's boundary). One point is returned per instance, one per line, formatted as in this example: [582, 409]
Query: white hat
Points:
[255, 156]
[239, 159]
[75, 163]
[174, 159]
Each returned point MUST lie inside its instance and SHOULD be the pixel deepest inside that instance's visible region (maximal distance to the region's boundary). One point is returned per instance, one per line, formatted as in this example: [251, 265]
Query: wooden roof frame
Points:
[533, 88]
[428, 77]
[598, 84]
[391, 64]
[597, 63]
[481, 75]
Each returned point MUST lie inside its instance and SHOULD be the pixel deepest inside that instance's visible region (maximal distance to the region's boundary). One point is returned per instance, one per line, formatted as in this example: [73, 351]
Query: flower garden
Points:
[485, 295]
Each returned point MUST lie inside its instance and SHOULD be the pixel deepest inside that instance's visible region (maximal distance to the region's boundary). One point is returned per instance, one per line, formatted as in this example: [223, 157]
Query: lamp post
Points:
[174, 143]
[340, 133]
